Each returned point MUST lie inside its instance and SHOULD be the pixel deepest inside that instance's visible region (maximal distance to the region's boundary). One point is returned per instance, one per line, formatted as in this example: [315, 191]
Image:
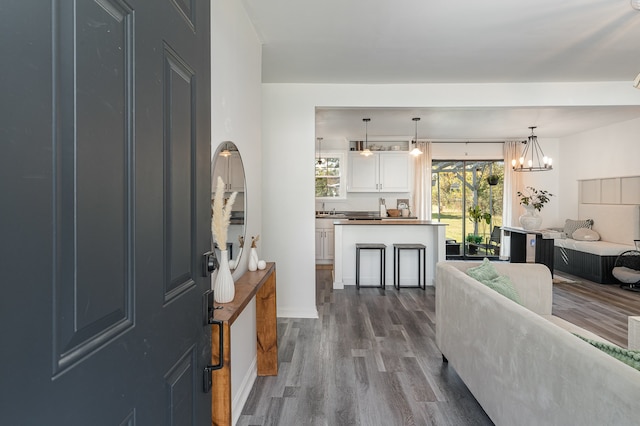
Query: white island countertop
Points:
[387, 231]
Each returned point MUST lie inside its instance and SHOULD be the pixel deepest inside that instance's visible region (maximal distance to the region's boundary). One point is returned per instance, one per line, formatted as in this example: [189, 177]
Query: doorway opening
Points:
[468, 196]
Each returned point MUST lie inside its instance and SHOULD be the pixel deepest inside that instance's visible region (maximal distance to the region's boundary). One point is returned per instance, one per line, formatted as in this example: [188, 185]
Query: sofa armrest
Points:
[533, 282]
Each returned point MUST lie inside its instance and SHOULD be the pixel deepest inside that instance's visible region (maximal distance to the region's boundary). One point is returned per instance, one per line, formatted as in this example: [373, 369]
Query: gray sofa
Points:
[521, 363]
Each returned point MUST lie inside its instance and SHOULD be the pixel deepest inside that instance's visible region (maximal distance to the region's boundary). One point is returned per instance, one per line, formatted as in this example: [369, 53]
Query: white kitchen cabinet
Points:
[325, 238]
[380, 172]
[231, 171]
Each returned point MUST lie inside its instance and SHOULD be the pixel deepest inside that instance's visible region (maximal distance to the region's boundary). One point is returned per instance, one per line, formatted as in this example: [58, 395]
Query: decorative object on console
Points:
[533, 156]
[532, 200]
[415, 151]
[253, 254]
[224, 288]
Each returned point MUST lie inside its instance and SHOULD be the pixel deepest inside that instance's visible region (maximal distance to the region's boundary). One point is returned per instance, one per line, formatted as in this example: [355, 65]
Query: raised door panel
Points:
[395, 172]
[363, 173]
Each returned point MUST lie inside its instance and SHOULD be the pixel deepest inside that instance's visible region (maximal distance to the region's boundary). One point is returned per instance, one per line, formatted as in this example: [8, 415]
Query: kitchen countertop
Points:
[358, 215]
[388, 221]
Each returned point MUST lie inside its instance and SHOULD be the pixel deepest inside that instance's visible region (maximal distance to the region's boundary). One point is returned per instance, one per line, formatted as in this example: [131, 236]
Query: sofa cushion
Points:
[599, 248]
[626, 275]
[585, 234]
[629, 357]
[503, 285]
[570, 226]
[483, 272]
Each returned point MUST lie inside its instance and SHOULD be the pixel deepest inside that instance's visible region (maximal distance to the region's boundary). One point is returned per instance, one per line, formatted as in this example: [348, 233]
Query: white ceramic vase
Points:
[530, 220]
[253, 259]
[224, 289]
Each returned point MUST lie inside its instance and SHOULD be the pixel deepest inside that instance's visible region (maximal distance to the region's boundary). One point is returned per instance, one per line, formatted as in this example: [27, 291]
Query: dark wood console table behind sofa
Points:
[262, 285]
[542, 248]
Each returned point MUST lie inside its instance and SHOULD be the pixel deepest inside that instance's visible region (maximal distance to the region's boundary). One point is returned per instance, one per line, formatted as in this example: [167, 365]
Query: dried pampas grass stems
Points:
[221, 214]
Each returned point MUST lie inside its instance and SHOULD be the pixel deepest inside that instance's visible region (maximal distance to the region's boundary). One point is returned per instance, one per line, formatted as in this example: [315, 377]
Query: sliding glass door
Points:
[467, 195]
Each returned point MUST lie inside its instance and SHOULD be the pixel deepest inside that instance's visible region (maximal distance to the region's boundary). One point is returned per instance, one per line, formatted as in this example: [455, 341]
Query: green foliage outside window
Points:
[328, 177]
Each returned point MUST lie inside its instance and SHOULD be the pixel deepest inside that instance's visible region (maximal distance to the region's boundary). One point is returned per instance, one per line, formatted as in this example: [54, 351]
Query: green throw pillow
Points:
[503, 285]
[485, 271]
[631, 358]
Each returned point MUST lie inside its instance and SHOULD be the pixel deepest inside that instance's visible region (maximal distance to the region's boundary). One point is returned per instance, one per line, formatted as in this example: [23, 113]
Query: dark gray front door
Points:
[104, 215]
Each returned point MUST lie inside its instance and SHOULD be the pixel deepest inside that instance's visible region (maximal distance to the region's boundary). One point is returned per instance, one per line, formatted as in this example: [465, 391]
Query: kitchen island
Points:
[348, 233]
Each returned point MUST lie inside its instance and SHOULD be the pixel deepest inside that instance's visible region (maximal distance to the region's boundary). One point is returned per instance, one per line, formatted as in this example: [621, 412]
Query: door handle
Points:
[208, 370]
[209, 263]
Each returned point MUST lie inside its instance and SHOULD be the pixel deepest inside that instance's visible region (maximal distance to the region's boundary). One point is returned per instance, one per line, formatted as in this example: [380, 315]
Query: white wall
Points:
[289, 149]
[610, 151]
[235, 116]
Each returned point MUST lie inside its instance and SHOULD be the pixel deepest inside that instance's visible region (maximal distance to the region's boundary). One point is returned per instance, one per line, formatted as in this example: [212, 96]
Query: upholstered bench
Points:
[617, 227]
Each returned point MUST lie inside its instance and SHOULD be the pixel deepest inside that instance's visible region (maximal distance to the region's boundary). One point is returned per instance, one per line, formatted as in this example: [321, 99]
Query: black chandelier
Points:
[532, 158]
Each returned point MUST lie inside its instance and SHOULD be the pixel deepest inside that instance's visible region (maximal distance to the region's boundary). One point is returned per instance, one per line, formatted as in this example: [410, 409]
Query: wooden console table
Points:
[262, 285]
[539, 249]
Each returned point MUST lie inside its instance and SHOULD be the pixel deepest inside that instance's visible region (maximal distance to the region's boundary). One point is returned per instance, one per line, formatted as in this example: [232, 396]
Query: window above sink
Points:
[330, 176]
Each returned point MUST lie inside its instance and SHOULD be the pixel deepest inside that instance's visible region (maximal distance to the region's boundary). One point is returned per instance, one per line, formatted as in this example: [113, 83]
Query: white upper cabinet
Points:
[380, 172]
[231, 171]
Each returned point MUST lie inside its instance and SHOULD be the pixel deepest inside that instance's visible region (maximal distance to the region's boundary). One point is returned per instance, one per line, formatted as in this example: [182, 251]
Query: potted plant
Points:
[477, 215]
[493, 180]
[532, 200]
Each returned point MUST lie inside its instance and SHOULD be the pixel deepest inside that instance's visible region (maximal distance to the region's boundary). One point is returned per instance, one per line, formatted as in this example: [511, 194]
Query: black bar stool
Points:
[420, 249]
[371, 246]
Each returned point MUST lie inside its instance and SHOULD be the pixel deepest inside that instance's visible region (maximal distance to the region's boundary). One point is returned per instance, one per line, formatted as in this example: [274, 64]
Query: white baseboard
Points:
[245, 389]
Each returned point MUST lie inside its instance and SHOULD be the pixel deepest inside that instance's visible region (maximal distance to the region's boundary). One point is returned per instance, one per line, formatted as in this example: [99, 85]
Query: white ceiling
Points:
[466, 124]
[444, 41]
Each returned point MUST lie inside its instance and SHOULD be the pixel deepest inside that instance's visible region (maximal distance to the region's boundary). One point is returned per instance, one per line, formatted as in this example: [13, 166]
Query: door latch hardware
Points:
[209, 263]
[208, 379]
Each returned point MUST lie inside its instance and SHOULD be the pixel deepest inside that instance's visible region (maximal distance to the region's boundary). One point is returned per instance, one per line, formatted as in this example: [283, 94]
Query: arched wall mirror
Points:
[227, 164]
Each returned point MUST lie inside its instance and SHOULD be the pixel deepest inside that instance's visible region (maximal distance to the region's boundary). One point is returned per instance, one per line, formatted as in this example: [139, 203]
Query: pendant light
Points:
[366, 152]
[319, 153]
[415, 151]
[532, 158]
[225, 152]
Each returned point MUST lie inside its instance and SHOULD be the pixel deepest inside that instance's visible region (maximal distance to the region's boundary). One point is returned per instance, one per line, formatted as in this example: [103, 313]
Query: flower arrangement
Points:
[221, 214]
[534, 197]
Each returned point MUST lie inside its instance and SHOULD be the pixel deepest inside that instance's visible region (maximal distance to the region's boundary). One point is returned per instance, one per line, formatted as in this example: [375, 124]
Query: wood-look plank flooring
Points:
[600, 308]
[370, 359]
